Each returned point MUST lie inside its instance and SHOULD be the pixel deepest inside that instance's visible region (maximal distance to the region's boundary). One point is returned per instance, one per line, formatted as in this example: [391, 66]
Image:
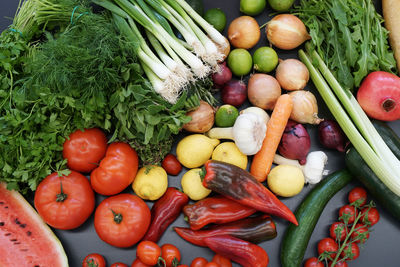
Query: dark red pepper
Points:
[238, 184]
[164, 212]
[218, 209]
[240, 251]
[254, 229]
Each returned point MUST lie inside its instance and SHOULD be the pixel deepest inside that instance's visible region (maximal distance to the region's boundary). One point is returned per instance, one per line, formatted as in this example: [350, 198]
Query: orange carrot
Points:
[262, 161]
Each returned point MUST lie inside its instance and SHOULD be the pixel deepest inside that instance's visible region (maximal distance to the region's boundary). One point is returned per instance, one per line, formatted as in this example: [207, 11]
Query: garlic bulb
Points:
[258, 111]
[305, 108]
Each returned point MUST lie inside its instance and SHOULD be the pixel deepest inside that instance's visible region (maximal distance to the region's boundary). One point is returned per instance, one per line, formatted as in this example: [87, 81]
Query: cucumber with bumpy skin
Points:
[296, 239]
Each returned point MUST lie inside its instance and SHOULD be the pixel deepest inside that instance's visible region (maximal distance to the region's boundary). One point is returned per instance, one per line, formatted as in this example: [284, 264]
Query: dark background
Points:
[381, 248]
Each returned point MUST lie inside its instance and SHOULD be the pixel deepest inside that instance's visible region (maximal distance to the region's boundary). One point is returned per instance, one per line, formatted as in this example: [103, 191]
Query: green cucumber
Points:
[296, 238]
[390, 137]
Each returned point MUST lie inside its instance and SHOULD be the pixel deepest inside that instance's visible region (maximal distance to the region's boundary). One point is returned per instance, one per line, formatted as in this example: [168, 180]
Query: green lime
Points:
[226, 116]
[240, 62]
[281, 5]
[252, 7]
[197, 5]
[265, 59]
[216, 17]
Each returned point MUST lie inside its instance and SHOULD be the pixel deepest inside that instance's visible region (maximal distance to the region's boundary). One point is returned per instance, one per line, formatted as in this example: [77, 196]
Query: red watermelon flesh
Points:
[25, 240]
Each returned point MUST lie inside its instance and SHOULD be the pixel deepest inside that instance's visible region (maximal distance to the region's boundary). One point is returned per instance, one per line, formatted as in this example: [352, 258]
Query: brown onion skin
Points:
[263, 91]
[234, 93]
[244, 32]
[292, 74]
[202, 118]
[332, 136]
[295, 142]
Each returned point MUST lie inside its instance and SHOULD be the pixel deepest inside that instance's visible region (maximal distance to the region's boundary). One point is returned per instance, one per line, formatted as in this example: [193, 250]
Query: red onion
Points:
[234, 93]
[223, 75]
[332, 136]
[295, 142]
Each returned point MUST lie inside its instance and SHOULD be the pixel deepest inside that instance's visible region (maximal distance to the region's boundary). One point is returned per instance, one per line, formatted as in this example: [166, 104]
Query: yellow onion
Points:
[244, 32]
[263, 90]
[305, 107]
[292, 74]
[202, 119]
[286, 31]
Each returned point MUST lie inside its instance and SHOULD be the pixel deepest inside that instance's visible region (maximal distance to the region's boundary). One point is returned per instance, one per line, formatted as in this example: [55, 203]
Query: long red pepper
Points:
[253, 229]
[218, 209]
[164, 212]
[240, 251]
[239, 185]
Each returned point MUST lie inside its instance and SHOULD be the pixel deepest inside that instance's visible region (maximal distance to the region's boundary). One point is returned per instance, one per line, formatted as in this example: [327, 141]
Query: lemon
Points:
[150, 182]
[194, 150]
[192, 185]
[286, 180]
[228, 152]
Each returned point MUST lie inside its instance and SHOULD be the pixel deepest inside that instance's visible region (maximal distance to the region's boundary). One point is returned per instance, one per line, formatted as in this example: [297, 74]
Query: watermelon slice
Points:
[25, 240]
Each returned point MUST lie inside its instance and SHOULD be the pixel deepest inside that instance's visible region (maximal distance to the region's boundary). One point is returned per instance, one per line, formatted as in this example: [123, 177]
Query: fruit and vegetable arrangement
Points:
[154, 131]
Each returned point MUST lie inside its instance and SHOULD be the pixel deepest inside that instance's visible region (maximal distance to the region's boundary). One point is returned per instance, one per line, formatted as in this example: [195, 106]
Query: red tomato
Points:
[118, 264]
[94, 260]
[370, 216]
[171, 165]
[347, 209]
[212, 264]
[182, 265]
[170, 254]
[332, 231]
[339, 264]
[138, 263]
[148, 252]
[199, 262]
[358, 194]
[360, 229]
[354, 250]
[122, 220]
[222, 261]
[313, 262]
[64, 202]
[84, 150]
[329, 245]
[116, 171]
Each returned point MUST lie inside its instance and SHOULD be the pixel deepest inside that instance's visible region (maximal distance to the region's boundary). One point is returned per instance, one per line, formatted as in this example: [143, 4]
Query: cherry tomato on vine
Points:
[118, 264]
[148, 252]
[369, 217]
[358, 194]
[347, 209]
[332, 231]
[222, 261]
[170, 253]
[339, 264]
[329, 245]
[199, 262]
[171, 164]
[64, 202]
[122, 220]
[138, 263]
[94, 260]
[212, 264]
[313, 262]
[84, 149]
[360, 229]
[354, 250]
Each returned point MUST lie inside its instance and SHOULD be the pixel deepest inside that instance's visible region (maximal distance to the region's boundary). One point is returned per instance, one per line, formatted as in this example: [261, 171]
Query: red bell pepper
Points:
[218, 209]
[164, 212]
[240, 251]
[254, 229]
[238, 184]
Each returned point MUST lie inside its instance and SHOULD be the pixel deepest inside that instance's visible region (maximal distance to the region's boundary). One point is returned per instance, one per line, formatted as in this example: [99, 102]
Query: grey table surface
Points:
[380, 250]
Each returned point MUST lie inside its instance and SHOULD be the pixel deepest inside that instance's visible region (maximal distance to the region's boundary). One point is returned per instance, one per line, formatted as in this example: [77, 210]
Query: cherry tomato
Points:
[64, 202]
[122, 220]
[358, 194]
[347, 209]
[360, 229]
[199, 262]
[182, 265]
[222, 261]
[84, 150]
[332, 231]
[171, 164]
[355, 251]
[116, 171]
[329, 245]
[148, 252]
[313, 262]
[94, 260]
[170, 253]
[339, 264]
[212, 264]
[369, 217]
[118, 264]
[138, 263]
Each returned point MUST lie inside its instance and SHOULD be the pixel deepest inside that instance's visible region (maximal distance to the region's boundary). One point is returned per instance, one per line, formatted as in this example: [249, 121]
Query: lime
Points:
[226, 116]
[265, 59]
[281, 5]
[252, 7]
[197, 5]
[240, 62]
[216, 17]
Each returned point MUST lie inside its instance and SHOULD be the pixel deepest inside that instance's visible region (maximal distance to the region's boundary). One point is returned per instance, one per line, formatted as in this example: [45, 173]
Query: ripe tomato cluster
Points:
[353, 228]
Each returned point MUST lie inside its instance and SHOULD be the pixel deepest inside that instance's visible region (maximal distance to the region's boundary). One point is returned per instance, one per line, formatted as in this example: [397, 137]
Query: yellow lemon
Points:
[228, 152]
[150, 182]
[286, 180]
[194, 150]
[192, 185]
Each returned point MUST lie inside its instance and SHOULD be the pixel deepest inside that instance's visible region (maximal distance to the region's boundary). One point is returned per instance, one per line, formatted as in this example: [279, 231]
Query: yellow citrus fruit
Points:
[150, 182]
[286, 180]
[230, 153]
[193, 186]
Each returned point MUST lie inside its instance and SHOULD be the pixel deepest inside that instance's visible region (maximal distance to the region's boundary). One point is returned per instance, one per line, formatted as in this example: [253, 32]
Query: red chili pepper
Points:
[240, 251]
[218, 209]
[254, 229]
[238, 184]
[164, 212]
